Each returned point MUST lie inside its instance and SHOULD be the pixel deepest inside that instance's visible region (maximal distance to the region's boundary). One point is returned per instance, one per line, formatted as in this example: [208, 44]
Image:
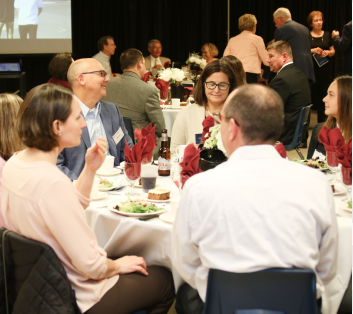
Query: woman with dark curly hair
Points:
[58, 68]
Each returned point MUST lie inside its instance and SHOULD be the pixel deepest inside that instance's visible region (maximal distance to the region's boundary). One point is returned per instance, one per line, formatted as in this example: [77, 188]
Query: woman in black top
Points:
[322, 46]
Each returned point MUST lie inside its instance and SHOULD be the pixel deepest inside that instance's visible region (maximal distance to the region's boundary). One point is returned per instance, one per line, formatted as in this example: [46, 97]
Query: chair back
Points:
[301, 124]
[288, 290]
[32, 278]
[129, 128]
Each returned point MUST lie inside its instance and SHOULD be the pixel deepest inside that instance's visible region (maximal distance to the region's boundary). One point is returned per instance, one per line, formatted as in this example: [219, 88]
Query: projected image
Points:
[35, 19]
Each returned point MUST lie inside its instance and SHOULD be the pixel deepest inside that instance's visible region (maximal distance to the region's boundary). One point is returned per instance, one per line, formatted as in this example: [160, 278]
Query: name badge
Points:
[118, 136]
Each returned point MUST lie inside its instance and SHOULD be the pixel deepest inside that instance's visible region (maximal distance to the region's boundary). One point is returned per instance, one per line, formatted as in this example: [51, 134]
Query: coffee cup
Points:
[107, 165]
[175, 102]
[149, 175]
[95, 187]
[180, 152]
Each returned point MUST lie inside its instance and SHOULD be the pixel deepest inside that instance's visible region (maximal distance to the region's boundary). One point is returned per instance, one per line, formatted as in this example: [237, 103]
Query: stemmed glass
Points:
[154, 72]
[347, 181]
[163, 96]
[332, 162]
[132, 173]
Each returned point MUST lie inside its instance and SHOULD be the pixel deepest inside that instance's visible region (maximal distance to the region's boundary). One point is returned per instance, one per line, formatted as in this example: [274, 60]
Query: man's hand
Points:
[95, 155]
[335, 33]
[130, 264]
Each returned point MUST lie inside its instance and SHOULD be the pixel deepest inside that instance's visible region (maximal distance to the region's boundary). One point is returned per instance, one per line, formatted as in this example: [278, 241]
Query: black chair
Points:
[314, 141]
[299, 129]
[128, 126]
[290, 291]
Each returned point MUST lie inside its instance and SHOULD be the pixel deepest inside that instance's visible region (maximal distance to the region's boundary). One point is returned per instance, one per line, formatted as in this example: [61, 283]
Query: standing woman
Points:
[9, 140]
[322, 45]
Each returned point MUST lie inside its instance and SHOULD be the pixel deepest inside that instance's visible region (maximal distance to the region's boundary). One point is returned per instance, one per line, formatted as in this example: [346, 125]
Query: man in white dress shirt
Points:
[154, 60]
[106, 47]
[28, 12]
[255, 211]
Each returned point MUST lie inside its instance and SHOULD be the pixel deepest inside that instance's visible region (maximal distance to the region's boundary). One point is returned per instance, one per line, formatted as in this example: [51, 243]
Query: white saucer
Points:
[114, 172]
[156, 201]
[167, 217]
[99, 196]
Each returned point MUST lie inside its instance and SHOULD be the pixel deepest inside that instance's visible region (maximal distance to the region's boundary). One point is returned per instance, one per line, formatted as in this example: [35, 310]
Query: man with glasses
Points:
[253, 211]
[106, 47]
[298, 37]
[88, 80]
[154, 60]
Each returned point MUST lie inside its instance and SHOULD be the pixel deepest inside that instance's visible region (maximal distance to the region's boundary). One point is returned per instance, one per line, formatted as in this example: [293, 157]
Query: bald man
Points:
[88, 80]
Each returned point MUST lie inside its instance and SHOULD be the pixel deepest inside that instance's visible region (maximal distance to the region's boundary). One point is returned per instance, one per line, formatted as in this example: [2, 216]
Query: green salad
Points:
[350, 204]
[137, 206]
[313, 163]
[106, 185]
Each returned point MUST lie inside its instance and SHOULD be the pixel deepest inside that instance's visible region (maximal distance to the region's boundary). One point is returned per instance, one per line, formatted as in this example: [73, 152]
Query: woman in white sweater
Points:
[218, 79]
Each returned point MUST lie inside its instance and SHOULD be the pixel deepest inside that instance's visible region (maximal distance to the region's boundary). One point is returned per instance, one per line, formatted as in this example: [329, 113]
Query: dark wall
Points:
[182, 26]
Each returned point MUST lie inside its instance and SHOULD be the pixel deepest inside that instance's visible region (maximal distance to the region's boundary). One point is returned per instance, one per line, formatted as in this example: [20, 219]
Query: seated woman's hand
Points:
[95, 155]
[130, 264]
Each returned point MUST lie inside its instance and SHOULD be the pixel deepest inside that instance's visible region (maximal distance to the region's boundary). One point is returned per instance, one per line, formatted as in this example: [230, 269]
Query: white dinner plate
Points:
[344, 205]
[114, 172]
[156, 201]
[167, 217]
[135, 214]
[339, 190]
[99, 196]
[321, 169]
[114, 186]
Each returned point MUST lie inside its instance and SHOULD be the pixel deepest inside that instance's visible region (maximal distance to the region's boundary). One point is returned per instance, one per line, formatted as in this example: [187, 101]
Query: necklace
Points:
[312, 38]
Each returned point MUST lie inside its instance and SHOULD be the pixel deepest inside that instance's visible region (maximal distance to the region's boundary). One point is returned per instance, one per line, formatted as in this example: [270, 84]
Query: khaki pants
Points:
[9, 29]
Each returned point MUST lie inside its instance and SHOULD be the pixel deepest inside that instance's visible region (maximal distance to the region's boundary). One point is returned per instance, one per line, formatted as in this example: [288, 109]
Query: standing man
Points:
[88, 80]
[106, 47]
[344, 44]
[298, 37]
[291, 84]
[28, 11]
[154, 60]
[220, 224]
[136, 99]
[7, 17]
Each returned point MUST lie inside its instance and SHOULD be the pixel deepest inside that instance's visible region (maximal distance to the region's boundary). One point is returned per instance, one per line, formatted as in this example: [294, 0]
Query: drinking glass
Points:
[163, 96]
[154, 72]
[132, 173]
[347, 181]
[332, 162]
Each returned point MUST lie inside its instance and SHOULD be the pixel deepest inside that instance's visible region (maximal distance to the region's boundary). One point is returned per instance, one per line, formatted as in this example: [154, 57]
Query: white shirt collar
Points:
[96, 110]
[103, 55]
[284, 66]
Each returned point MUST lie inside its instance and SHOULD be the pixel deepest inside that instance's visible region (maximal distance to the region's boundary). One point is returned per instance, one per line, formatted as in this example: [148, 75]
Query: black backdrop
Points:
[182, 26]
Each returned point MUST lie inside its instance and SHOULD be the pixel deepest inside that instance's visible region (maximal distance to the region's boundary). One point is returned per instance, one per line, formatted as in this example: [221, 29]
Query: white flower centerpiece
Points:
[172, 76]
[196, 61]
[214, 139]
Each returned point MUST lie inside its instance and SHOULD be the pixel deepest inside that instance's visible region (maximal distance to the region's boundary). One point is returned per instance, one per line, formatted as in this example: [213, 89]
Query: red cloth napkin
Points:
[207, 123]
[281, 150]
[162, 85]
[166, 64]
[146, 78]
[331, 138]
[147, 140]
[344, 154]
[139, 134]
[133, 155]
[190, 164]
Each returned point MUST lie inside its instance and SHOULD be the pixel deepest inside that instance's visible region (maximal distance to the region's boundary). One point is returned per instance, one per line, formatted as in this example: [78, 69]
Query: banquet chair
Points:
[129, 129]
[276, 290]
[299, 129]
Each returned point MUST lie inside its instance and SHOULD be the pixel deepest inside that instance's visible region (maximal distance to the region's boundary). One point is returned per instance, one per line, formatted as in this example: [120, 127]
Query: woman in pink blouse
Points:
[41, 203]
[9, 140]
[248, 48]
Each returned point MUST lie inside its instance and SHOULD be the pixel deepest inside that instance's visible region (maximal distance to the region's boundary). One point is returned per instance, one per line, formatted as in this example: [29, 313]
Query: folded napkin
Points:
[206, 123]
[281, 150]
[331, 138]
[190, 164]
[146, 77]
[147, 140]
[139, 134]
[344, 154]
[162, 85]
[133, 155]
[166, 64]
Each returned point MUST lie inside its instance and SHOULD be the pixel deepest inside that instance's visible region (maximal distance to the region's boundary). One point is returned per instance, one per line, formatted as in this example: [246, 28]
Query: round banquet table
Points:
[152, 239]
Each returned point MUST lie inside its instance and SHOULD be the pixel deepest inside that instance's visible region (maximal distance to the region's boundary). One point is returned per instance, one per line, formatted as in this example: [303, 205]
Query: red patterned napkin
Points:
[166, 64]
[207, 123]
[162, 85]
[281, 150]
[331, 138]
[190, 164]
[344, 154]
[146, 77]
[133, 155]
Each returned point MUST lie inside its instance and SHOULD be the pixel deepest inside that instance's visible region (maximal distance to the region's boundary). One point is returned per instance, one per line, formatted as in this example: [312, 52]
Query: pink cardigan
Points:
[41, 203]
[2, 164]
[249, 49]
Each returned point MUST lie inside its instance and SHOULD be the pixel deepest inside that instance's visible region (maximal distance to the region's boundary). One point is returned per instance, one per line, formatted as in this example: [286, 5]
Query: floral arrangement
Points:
[172, 76]
[194, 58]
[214, 139]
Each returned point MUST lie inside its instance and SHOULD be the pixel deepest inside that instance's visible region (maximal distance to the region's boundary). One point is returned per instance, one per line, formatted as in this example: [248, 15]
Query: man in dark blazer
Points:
[298, 37]
[88, 80]
[344, 44]
[291, 84]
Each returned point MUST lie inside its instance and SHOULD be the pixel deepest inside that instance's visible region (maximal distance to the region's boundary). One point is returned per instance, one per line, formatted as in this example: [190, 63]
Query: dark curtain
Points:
[182, 26]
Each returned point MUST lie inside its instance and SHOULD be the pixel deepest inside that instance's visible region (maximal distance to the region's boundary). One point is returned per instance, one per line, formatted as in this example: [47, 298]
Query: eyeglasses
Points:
[219, 117]
[101, 72]
[221, 86]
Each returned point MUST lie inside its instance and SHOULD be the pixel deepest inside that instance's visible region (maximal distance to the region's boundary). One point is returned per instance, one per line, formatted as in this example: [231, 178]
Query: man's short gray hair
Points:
[282, 12]
[150, 43]
[280, 47]
[258, 110]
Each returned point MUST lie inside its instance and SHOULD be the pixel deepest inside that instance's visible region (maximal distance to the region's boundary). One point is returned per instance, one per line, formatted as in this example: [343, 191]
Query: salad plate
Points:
[312, 163]
[112, 209]
[156, 201]
[104, 187]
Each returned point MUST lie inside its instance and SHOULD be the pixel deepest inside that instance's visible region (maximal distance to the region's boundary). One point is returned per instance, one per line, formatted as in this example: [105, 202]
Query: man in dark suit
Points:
[88, 80]
[344, 44]
[298, 37]
[291, 84]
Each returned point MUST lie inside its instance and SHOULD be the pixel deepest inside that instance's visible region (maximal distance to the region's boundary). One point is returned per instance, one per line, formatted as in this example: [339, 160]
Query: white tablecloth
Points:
[169, 117]
[152, 240]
